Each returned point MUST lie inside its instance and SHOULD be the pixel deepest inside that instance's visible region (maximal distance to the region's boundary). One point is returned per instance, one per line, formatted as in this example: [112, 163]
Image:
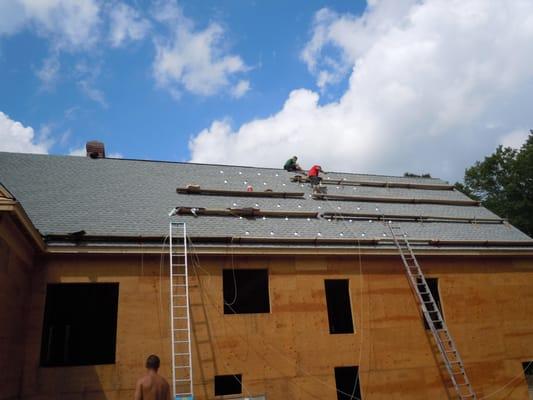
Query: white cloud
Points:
[82, 152]
[515, 138]
[15, 137]
[126, 24]
[92, 93]
[48, 73]
[78, 152]
[427, 78]
[68, 24]
[350, 36]
[191, 59]
[240, 89]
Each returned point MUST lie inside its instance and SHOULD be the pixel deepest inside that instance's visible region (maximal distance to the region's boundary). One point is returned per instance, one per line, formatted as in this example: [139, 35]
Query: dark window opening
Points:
[245, 291]
[80, 324]
[4, 255]
[347, 383]
[339, 307]
[528, 372]
[228, 384]
[433, 284]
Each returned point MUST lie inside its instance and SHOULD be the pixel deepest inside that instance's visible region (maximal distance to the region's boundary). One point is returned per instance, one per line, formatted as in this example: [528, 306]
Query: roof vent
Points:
[95, 149]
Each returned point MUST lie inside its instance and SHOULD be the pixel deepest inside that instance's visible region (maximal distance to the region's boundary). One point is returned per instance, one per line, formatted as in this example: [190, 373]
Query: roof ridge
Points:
[224, 165]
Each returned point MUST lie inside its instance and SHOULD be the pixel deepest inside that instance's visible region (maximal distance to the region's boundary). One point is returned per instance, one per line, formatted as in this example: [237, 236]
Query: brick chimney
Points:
[95, 149]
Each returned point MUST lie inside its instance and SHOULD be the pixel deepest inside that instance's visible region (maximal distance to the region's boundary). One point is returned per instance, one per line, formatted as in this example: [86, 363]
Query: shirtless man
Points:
[152, 386]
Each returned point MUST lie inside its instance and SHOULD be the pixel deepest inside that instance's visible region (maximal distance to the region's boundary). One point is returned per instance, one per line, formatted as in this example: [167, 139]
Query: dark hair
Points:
[152, 362]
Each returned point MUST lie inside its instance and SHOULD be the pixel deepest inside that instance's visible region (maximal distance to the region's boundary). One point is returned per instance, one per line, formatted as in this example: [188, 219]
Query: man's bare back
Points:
[152, 386]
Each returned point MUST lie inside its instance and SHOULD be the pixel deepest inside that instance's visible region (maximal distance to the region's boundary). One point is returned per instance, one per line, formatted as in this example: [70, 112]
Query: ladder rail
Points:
[180, 310]
[173, 348]
[188, 305]
[427, 315]
[438, 313]
[416, 282]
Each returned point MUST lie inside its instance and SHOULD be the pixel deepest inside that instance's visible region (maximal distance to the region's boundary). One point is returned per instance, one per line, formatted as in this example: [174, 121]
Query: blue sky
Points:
[384, 87]
[135, 117]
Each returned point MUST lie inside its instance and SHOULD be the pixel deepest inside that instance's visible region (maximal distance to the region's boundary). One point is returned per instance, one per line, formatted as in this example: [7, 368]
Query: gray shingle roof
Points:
[117, 197]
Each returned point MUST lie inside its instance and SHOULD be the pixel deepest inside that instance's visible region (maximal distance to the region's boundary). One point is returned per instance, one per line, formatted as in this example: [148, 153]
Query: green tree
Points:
[503, 182]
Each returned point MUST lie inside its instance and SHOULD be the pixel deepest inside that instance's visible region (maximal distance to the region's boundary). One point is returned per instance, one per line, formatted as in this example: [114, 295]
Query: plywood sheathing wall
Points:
[16, 258]
[289, 353]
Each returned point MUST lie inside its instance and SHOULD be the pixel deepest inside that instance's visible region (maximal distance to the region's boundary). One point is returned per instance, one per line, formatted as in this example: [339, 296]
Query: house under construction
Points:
[248, 284]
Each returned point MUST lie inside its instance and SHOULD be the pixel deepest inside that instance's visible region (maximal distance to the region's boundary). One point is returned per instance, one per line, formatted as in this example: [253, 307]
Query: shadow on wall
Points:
[93, 321]
[15, 282]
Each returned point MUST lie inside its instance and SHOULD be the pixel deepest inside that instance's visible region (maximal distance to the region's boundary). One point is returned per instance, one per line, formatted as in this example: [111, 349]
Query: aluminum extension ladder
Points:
[180, 319]
[445, 343]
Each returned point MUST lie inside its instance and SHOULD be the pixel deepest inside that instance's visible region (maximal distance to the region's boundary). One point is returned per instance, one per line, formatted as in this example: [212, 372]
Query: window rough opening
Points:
[339, 307]
[528, 372]
[433, 284]
[228, 384]
[347, 383]
[80, 324]
[245, 291]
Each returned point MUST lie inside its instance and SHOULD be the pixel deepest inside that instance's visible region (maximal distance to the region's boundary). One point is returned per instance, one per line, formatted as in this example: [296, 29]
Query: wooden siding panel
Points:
[289, 353]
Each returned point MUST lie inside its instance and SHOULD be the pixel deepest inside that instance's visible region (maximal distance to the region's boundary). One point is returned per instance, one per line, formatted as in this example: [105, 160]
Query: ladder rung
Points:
[181, 354]
[181, 329]
[179, 285]
[181, 341]
[430, 309]
[179, 306]
[179, 295]
[182, 366]
[180, 317]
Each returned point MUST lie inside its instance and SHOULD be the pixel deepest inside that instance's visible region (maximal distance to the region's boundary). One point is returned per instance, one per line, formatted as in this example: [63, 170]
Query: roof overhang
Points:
[58, 244]
[12, 207]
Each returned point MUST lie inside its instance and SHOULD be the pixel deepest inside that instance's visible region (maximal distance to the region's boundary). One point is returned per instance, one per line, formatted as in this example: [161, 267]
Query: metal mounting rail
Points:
[433, 316]
[180, 320]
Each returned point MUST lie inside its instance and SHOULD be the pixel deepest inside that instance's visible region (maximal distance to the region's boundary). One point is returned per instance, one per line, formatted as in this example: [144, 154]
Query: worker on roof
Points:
[314, 174]
[291, 165]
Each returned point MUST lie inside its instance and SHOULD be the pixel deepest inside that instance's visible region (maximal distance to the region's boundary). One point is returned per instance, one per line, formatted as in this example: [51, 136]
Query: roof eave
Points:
[13, 207]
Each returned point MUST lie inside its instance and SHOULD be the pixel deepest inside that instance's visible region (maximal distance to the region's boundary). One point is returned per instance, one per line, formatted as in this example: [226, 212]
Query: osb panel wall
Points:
[15, 266]
[289, 353]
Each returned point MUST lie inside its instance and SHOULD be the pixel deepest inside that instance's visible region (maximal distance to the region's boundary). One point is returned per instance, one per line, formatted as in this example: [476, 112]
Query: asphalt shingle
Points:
[117, 197]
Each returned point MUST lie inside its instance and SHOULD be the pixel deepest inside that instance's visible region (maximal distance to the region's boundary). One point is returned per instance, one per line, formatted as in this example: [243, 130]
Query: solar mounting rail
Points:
[387, 184]
[388, 199]
[248, 212]
[253, 212]
[238, 193]
[411, 218]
